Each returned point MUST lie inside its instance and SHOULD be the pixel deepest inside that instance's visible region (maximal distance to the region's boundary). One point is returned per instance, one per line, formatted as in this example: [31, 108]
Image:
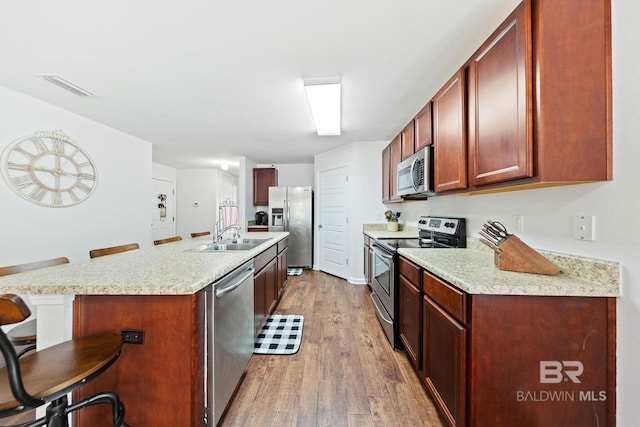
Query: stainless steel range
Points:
[433, 233]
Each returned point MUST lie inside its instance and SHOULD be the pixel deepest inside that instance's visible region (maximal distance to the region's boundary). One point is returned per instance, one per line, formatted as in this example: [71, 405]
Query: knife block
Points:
[516, 255]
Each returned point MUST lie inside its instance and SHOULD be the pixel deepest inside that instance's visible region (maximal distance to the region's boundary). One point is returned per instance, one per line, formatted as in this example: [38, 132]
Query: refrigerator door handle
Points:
[287, 214]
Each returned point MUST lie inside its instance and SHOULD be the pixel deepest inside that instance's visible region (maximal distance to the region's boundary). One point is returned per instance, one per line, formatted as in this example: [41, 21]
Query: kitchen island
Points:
[159, 290]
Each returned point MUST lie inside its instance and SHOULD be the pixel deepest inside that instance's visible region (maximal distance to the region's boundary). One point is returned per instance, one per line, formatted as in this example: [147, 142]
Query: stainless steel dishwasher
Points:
[230, 335]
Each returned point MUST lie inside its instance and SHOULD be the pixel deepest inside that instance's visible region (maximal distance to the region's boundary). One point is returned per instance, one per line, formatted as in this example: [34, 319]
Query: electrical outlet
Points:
[584, 227]
[133, 336]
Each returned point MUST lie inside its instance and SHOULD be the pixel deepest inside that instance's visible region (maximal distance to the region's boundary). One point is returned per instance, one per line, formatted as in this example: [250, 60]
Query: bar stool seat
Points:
[24, 333]
[45, 377]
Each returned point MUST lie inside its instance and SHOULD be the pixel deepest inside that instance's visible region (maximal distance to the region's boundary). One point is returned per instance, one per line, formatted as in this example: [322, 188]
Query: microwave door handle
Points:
[412, 172]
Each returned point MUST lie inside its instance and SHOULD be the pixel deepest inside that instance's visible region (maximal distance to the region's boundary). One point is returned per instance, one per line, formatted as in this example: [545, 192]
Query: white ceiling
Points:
[211, 80]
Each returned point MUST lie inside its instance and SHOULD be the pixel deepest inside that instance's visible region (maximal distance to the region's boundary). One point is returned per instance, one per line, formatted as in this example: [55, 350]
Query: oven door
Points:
[383, 290]
[382, 276]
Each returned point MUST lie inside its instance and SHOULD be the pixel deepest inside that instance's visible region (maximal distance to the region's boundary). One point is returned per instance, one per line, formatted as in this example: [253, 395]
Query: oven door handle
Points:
[382, 254]
[382, 313]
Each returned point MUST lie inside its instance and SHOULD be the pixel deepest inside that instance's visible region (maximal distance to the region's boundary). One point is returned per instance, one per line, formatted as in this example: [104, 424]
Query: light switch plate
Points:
[584, 227]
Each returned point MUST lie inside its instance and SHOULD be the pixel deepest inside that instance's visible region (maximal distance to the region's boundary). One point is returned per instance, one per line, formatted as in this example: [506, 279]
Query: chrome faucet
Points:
[236, 234]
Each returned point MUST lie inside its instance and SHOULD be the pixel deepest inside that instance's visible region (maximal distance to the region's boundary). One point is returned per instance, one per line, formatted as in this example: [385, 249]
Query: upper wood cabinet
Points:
[386, 173]
[540, 98]
[263, 178]
[572, 108]
[499, 105]
[423, 127]
[407, 138]
[449, 135]
[394, 158]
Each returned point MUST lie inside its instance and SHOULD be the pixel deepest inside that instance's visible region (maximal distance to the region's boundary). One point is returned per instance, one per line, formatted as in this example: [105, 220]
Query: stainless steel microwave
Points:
[415, 175]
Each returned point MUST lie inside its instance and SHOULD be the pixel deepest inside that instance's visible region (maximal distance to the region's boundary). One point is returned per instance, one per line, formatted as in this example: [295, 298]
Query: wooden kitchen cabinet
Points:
[265, 285]
[444, 366]
[500, 110]
[541, 361]
[407, 140]
[263, 178]
[449, 135]
[532, 107]
[395, 157]
[494, 360]
[423, 128]
[540, 98]
[410, 320]
[160, 382]
[283, 262]
[271, 286]
[386, 173]
[391, 156]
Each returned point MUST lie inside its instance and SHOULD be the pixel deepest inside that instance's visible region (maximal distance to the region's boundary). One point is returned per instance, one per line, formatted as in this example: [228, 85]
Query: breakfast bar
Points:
[159, 291]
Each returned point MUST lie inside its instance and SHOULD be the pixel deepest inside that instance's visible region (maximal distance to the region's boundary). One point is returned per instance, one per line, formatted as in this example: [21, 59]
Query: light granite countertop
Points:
[473, 270]
[167, 269]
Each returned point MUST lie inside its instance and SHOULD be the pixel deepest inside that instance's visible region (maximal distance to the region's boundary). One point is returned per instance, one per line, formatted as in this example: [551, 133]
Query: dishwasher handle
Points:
[220, 292]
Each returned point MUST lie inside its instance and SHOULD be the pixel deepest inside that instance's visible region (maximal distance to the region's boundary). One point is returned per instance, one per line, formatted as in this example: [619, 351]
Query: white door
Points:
[163, 220]
[333, 224]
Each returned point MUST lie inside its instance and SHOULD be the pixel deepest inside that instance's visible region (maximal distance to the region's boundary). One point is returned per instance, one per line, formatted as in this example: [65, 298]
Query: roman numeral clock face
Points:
[49, 169]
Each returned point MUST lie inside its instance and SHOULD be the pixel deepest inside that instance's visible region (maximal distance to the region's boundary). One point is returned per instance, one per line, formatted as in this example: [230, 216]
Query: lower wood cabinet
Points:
[510, 360]
[410, 311]
[283, 260]
[269, 281]
[444, 367]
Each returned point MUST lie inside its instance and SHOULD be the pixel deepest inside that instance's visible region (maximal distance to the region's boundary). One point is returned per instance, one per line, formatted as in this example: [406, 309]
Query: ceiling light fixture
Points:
[66, 84]
[224, 166]
[323, 94]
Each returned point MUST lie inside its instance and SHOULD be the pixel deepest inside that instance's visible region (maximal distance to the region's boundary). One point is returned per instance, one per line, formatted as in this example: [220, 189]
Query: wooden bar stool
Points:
[25, 333]
[201, 233]
[94, 253]
[167, 240]
[46, 377]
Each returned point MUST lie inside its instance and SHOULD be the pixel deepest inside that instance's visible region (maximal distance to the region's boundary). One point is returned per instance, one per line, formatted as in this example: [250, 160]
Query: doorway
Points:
[163, 218]
[333, 231]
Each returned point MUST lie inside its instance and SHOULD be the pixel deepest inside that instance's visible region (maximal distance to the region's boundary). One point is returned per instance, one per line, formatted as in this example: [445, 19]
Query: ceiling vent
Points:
[66, 84]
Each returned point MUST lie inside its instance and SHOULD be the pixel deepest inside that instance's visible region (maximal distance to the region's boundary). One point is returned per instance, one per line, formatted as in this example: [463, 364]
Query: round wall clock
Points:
[49, 169]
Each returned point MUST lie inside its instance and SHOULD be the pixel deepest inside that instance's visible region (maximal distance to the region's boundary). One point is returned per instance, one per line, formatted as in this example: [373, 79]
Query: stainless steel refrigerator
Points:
[291, 209]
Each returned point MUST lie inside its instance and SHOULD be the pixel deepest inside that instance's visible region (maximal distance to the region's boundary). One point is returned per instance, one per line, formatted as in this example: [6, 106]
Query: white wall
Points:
[195, 186]
[166, 173]
[116, 213]
[296, 175]
[246, 210]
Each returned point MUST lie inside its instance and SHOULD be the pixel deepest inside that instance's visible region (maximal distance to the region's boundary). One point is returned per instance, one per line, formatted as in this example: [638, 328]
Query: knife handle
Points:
[495, 248]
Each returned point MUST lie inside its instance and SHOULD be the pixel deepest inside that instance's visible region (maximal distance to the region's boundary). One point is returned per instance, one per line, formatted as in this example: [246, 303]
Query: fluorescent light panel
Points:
[323, 95]
[66, 84]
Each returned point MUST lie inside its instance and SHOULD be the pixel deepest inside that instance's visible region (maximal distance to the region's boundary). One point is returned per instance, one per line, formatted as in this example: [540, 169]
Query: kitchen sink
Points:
[244, 241]
[221, 247]
[229, 245]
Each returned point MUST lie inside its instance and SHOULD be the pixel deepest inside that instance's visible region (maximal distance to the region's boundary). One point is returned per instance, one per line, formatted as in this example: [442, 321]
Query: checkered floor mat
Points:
[281, 334]
[294, 271]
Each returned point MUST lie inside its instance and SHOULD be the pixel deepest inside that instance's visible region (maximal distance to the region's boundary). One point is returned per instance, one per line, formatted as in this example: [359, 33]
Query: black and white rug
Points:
[294, 271]
[281, 334]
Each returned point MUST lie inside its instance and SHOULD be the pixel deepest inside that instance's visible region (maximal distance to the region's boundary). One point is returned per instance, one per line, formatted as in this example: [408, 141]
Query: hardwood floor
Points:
[345, 373]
